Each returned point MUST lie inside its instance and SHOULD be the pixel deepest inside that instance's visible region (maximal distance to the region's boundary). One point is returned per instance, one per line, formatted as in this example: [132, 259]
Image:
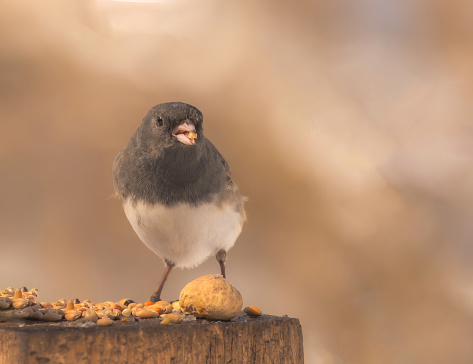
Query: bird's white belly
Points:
[185, 235]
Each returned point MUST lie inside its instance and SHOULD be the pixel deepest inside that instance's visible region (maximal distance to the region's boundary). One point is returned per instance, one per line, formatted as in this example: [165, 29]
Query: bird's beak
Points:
[185, 133]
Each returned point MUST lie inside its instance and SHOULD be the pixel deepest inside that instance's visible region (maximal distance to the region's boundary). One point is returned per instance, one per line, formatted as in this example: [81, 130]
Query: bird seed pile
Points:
[22, 304]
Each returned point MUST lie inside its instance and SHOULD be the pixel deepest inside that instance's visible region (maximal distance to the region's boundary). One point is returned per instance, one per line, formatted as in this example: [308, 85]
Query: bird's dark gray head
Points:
[172, 124]
[164, 162]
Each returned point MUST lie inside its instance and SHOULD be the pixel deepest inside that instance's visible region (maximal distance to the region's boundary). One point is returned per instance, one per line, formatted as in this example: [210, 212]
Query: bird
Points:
[177, 190]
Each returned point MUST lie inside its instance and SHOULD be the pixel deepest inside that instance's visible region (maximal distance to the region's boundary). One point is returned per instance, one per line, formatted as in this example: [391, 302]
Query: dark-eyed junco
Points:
[177, 190]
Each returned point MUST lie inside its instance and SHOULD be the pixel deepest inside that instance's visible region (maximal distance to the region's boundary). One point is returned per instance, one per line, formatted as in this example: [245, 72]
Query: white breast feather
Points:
[185, 235]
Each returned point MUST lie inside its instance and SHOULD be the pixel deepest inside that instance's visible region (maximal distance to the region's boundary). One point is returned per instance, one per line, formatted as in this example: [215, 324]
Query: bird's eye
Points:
[159, 121]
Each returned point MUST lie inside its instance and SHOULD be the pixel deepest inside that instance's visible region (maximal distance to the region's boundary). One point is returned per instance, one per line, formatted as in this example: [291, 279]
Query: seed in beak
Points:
[185, 133]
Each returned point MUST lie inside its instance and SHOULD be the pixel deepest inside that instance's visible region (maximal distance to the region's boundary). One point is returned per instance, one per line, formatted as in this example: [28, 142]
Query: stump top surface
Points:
[28, 326]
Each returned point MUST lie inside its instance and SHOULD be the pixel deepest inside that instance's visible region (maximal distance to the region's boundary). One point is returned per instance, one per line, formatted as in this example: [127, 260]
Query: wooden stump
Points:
[264, 339]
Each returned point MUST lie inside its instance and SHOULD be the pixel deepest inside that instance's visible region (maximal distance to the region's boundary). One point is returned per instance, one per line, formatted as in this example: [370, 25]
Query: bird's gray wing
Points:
[225, 166]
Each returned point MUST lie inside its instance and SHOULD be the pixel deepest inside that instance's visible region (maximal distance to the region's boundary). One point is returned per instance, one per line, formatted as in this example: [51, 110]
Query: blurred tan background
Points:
[347, 124]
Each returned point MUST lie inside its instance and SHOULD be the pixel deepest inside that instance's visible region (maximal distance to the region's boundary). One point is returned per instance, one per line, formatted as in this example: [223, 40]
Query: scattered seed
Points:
[51, 316]
[144, 313]
[20, 314]
[126, 312]
[20, 303]
[117, 313]
[174, 318]
[162, 303]
[165, 305]
[90, 315]
[73, 315]
[252, 311]
[36, 315]
[4, 304]
[46, 304]
[104, 321]
[125, 302]
[27, 312]
[70, 305]
[103, 313]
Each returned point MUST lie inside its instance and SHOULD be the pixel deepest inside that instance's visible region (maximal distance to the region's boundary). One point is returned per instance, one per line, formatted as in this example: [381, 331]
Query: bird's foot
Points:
[155, 298]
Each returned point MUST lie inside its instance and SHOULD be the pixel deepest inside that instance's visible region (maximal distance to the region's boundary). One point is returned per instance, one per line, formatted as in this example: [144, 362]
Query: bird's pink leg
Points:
[221, 257]
[157, 294]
